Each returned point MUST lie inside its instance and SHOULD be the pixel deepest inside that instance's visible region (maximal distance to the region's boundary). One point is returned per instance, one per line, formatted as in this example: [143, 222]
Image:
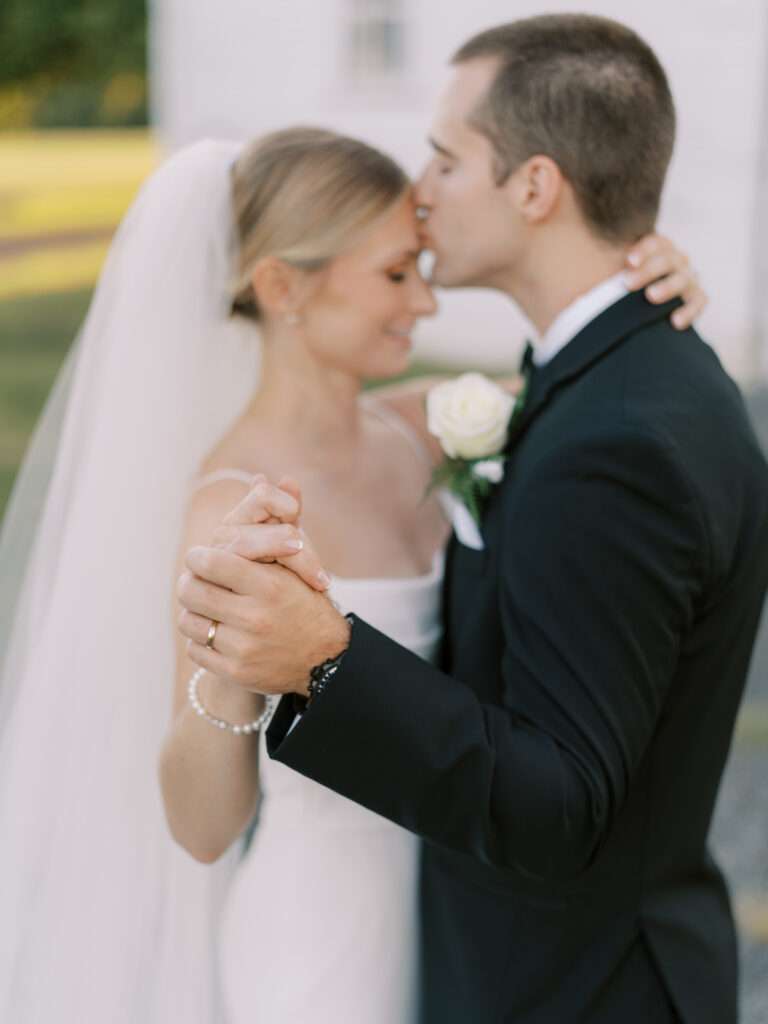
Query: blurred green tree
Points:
[77, 63]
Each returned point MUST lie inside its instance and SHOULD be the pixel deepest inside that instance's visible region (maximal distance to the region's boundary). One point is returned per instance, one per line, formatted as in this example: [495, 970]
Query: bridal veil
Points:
[102, 917]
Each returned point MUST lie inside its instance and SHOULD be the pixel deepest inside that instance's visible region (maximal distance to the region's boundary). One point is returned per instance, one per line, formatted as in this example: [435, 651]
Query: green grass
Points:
[35, 335]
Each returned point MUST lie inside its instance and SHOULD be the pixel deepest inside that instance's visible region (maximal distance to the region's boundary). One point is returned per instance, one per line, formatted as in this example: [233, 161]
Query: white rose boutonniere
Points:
[470, 416]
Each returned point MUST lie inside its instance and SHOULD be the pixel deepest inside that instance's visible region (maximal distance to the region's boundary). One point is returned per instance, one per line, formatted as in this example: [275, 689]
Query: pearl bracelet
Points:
[247, 728]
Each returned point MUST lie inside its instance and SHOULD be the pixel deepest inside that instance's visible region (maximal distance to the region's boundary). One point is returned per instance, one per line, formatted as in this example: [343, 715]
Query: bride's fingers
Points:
[262, 542]
[275, 543]
[223, 534]
[647, 246]
[660, 265]
[287, 483]
[669, 287]
[685, 285]
[694, 306]
[263, 502]
[218, 574]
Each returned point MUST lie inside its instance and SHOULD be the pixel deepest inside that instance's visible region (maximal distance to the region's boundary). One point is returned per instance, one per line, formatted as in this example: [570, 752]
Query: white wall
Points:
[241, 67]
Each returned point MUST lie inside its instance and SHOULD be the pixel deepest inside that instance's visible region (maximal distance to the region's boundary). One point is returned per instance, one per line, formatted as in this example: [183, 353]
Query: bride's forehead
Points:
[395, 232]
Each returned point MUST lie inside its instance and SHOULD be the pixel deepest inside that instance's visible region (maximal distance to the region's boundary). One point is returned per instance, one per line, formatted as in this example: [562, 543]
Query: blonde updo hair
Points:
[304, 195]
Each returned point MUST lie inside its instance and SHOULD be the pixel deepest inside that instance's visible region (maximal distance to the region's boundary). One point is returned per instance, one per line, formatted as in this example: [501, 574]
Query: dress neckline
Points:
[430, 577]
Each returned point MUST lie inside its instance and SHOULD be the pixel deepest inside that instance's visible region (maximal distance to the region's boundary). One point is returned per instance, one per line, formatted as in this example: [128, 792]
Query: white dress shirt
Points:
[568, 323]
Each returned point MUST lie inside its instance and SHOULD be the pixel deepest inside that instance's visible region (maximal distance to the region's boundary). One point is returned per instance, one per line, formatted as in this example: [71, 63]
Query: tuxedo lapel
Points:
[592, 343]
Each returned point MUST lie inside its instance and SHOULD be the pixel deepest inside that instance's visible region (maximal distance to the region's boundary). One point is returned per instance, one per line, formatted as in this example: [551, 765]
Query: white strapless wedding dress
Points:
[321, 920]
[320, 924]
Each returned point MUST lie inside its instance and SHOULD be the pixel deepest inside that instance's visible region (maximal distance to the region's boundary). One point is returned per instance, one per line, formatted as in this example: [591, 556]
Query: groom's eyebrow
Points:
[438, 148]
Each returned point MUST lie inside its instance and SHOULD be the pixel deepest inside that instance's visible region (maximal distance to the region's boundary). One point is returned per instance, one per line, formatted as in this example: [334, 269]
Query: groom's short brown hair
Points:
[590, 94]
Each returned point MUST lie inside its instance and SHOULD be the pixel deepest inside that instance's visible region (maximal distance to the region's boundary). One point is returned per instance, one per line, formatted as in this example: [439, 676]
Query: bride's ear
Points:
[276, 285]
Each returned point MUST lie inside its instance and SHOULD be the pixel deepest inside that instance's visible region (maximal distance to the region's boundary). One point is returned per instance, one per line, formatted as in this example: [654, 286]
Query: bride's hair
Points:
[305, 195]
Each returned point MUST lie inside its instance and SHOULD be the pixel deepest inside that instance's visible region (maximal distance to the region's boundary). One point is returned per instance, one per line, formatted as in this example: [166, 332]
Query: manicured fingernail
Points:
[654, 292]
[634, 259]
[294, 545]
[323, 579]
[677, 320]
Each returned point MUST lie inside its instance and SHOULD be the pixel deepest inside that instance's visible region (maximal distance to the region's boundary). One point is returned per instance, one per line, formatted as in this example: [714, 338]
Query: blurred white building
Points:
[372, 68]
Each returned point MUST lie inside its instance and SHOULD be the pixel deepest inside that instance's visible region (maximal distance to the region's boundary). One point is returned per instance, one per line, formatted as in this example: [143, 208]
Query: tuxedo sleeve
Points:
[602, 556]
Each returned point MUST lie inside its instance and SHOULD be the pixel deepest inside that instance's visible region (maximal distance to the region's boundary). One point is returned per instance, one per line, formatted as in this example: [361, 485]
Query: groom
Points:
[563, 762]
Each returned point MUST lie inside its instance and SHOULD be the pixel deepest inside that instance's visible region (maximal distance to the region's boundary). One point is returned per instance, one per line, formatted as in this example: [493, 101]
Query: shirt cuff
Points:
[294, 723]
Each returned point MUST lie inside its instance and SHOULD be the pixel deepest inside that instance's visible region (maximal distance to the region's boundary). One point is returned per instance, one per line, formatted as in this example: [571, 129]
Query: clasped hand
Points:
[262, 581]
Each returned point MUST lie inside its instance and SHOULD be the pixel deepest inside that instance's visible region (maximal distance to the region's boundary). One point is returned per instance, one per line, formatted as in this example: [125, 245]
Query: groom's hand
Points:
[273, 629]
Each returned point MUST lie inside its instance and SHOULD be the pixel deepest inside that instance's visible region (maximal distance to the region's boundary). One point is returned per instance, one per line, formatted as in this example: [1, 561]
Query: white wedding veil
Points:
[102, 917]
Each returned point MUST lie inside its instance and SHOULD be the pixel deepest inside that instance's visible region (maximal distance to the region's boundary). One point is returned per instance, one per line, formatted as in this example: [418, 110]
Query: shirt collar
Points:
[573, 318]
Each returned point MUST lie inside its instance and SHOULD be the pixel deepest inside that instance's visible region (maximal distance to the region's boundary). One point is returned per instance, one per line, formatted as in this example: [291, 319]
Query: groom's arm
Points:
[601, 561]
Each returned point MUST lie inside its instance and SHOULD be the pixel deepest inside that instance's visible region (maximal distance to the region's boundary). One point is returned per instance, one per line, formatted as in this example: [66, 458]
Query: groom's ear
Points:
[537, 189]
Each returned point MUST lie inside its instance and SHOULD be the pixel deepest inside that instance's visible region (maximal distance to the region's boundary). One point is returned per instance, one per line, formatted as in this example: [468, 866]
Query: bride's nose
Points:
[422, 298]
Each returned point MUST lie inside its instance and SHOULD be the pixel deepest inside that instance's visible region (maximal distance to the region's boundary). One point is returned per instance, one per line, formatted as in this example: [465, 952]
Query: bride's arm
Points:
[208, 776]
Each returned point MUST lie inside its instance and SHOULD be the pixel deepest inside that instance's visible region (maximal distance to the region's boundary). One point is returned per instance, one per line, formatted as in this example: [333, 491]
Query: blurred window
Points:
[376, 38]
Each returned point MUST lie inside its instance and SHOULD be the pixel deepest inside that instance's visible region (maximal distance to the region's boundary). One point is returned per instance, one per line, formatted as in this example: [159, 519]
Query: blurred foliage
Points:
[73, 63]
[62, 268]
[61, 195]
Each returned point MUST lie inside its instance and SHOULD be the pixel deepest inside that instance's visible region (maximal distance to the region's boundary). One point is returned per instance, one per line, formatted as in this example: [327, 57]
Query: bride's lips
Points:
[404, 336]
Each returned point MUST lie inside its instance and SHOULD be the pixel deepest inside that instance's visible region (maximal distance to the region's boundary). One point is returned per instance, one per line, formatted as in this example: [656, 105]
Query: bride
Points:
[159, 421]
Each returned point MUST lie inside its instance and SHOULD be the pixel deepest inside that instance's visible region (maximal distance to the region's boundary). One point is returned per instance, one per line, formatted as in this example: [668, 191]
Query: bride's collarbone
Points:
[373, 539]
[365, 516]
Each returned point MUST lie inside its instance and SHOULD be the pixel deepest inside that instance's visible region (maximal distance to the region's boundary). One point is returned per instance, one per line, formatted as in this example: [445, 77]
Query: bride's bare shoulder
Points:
[408, 399]
[223, 479]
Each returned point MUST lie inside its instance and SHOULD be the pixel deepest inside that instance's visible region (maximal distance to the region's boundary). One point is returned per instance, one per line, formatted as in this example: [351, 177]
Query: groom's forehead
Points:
[465, 86]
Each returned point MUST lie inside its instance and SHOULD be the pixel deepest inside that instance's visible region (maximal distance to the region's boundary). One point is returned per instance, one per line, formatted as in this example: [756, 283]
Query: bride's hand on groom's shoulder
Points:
[664, 271]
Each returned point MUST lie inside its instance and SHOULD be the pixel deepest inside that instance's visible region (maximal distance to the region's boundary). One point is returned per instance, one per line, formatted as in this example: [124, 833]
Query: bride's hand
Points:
[663, 270]
[265, 527]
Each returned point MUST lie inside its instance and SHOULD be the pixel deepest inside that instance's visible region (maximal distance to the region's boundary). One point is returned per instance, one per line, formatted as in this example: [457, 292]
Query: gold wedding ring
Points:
[211, 634]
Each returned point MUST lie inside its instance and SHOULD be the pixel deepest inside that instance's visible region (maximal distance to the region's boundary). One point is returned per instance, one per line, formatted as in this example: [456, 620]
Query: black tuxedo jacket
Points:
[563, 761]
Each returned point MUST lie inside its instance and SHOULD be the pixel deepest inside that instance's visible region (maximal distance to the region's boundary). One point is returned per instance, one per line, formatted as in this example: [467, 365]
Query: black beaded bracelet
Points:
[321, 674]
